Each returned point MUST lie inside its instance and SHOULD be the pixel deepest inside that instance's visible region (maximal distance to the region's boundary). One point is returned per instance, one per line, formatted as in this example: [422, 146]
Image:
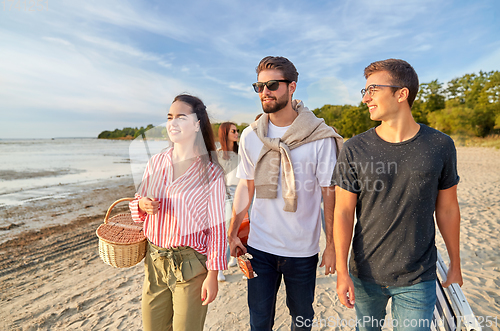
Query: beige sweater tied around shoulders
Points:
[276, 151]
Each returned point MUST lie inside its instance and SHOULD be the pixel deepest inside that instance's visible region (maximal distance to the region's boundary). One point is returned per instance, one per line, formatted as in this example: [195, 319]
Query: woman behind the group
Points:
[181, 202]
[228, 159]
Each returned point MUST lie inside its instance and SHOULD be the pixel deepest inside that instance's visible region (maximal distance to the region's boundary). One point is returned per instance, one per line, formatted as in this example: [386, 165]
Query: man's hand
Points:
[242, 198]
[328, 260]
[345, 290]
[235, 244]
[454, 276]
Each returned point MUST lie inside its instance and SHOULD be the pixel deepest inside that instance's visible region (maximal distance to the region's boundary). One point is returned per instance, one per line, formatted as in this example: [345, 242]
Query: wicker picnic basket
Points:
[122, 243]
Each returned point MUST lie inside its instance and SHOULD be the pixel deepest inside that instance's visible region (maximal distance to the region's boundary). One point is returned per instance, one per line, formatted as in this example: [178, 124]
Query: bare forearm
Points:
[329, 206]
[342, 234]
[345, 205]
[448, 222]
[242, 198]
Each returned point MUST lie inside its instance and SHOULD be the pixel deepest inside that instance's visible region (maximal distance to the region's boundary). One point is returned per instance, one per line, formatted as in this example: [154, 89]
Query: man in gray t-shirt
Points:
[394, 177]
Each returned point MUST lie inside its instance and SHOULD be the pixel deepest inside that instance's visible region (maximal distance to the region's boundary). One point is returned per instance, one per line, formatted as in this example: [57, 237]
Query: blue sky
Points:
[77, 68]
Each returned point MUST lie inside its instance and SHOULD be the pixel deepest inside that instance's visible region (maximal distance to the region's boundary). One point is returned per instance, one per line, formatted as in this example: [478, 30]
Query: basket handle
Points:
[114, 204]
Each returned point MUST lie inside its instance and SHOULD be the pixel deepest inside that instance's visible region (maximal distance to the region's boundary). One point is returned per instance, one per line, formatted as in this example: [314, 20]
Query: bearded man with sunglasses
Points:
[395, 176]
[287, 159]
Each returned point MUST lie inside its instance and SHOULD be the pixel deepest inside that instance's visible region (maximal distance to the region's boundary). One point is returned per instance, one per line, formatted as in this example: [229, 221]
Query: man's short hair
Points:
[401, 72]
[279, 63]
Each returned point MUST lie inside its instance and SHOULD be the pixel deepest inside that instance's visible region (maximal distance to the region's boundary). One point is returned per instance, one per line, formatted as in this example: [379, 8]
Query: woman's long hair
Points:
[205, 143]
[223, 133]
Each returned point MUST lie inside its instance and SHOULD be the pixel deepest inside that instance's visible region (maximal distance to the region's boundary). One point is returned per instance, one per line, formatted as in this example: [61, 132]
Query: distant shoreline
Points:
[50, 138]
[118, 138]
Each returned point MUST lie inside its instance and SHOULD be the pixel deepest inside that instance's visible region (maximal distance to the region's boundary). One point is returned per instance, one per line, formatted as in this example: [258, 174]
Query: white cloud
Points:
[126, 49]
[60, 42]
[55, 79]
[128, 14]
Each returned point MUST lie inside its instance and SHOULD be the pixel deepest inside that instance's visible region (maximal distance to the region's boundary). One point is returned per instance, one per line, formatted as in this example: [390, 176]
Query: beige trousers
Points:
[171, 295]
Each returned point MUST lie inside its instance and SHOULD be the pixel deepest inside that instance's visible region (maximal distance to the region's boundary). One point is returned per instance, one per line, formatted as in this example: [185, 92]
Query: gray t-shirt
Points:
[397, 185]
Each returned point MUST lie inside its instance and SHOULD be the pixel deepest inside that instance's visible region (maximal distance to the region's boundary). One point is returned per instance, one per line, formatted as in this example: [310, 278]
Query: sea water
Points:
[38, 169]
[43, 168]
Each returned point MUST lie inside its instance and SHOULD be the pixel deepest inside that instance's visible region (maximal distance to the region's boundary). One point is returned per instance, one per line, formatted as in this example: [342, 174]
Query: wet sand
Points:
[53, 279]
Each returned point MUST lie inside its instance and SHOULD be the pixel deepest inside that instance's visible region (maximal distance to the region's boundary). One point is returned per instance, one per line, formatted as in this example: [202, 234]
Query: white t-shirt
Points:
[272, 229]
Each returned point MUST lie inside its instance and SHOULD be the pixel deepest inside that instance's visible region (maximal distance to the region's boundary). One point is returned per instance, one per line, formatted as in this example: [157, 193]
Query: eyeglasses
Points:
[234, 131]
[272, 85]
[371, 89]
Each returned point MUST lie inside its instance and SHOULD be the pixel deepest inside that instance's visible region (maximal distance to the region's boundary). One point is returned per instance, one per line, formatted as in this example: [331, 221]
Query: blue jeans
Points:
[299, 275]
[412, 306]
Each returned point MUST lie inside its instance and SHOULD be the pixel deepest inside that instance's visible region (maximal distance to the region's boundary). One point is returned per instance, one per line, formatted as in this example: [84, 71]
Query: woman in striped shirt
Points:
[181, 202]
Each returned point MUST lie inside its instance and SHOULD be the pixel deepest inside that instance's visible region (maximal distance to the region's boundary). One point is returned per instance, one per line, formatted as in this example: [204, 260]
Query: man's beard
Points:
[277, 105]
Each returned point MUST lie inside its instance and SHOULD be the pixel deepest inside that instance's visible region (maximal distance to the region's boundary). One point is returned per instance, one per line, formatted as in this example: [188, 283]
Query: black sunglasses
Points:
[234, 131]
[272, 85]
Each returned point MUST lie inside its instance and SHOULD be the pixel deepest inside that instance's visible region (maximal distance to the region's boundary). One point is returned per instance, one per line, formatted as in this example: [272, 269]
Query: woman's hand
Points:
[149, 205]
[209, 288]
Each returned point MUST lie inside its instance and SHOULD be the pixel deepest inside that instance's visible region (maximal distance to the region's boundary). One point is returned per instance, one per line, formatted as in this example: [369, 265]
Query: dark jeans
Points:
[299, 274]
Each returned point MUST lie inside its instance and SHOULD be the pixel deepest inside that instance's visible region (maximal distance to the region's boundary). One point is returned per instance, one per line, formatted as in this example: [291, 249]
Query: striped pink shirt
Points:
[191, 211]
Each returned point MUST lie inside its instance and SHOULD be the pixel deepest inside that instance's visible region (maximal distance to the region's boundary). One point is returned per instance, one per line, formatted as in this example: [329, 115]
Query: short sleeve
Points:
[449, 175]
[246, 168]
[327, 157]
[345, 174]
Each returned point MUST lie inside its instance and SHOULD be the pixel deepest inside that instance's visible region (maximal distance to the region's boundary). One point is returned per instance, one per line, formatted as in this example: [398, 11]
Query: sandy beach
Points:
[53, 279]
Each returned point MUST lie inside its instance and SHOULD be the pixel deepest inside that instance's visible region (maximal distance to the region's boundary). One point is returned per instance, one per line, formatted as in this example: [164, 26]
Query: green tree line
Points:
[125, 133]
[468, 105]
[153, 132]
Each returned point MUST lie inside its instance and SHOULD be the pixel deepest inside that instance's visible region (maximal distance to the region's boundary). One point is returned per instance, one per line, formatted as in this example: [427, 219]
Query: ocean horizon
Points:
[43, 168]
